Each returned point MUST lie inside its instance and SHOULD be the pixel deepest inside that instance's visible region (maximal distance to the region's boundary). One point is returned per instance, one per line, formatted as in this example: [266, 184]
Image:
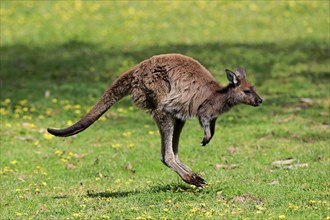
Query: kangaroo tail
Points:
[118, 90]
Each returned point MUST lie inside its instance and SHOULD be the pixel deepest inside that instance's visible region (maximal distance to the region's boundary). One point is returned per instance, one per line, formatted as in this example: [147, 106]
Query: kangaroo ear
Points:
[231, 77]
[240, 73]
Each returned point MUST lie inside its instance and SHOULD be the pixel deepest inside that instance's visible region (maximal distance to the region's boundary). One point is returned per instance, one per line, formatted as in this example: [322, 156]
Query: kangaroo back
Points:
[118, 90]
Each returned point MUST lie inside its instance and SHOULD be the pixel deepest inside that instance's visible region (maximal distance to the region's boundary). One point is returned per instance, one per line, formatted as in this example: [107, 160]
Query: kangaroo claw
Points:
[204, 142]
[196, 181]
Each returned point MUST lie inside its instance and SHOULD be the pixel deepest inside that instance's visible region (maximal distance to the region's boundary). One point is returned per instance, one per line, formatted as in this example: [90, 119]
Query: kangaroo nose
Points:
[260, 101]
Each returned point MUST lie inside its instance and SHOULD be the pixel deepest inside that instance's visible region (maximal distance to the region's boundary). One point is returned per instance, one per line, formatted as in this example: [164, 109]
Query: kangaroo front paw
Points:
[195, 180]
[205, 141]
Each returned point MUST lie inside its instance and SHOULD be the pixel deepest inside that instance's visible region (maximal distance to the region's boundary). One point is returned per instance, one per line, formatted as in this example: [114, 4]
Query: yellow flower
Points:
[130, 145]
[3, 111]
[27, 117]
[23, 102]
[48, 136]
[77, 215]
[121, 110]
[67, 107]
[13, 162]
[103, 118]
[49, 112]
[32, 125]
[126, 134]
[151, 132]
[7, 101]
[281, 216]
[59, 153]
[116, 145]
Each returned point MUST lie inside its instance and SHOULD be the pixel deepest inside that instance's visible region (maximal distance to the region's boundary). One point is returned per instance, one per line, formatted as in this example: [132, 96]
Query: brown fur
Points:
[173, 88]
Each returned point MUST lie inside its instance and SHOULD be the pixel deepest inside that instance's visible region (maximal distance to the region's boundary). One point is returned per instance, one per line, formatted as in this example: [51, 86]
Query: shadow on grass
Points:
[77, 69]
[174, 188]
[111, 194]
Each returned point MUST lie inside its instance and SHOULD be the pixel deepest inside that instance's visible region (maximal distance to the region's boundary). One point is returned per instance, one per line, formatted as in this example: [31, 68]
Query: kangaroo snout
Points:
[258, 102]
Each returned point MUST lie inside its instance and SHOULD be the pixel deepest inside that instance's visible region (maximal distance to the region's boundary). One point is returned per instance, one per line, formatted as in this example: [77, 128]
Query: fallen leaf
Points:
[268, 136]
[280, 163]
[129, 167]
[295, 166]
[71, 166]
[287, 119]
[325, 114]
[247, 198]
[306, 102]
[25, 138]
[220, 195]
[21, 178]
[43, 209]
[47, 94]
[231, 150]
[288, 164]
[274, 183]
[78, 156]
[226, 167]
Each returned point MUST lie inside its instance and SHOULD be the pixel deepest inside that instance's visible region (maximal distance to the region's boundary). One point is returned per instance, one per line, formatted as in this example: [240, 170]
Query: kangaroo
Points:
[173, 88]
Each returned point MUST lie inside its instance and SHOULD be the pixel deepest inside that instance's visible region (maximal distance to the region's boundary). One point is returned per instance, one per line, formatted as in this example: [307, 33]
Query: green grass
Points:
[57, 58]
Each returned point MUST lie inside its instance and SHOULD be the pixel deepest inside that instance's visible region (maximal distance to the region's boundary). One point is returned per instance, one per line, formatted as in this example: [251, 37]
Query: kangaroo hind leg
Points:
[179, 124]
[166, 125]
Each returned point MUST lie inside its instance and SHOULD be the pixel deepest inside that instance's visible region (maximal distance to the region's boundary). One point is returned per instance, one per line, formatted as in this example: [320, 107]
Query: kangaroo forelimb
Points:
[209, 127]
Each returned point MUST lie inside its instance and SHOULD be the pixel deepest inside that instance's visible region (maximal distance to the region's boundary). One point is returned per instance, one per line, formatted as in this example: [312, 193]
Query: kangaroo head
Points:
[244, 92]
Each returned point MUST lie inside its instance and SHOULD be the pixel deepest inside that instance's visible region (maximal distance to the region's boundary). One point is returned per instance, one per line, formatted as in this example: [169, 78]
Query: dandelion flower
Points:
[48, 136]
[3, 111]
[151, 132]
[23, 102]
[7, 101]
[59, 153]
[13, 162]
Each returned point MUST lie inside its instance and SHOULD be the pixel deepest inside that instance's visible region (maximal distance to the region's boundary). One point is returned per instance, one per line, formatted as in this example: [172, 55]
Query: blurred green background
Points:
[57, 57]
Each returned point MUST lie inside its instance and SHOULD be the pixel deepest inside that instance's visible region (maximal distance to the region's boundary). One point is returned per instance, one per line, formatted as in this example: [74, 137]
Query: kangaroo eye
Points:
[247, 92]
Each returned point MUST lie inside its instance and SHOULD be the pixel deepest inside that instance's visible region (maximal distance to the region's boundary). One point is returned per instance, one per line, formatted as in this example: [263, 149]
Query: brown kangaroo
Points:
[174, 88]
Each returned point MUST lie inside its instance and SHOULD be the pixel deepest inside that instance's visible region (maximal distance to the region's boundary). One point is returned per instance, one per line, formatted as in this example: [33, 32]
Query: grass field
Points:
[57, 58]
